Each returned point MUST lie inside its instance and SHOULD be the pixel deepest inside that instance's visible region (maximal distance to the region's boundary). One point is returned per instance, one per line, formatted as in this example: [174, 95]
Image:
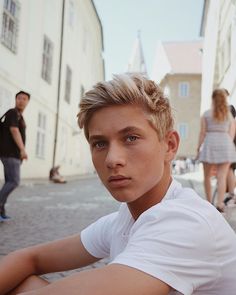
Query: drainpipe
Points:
[59, 85]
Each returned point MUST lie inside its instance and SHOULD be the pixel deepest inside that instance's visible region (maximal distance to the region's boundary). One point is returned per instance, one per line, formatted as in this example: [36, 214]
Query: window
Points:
[41, 135]
[68, 84]
[10, 24]
[183, 89]
[47, 59]
[183, 130]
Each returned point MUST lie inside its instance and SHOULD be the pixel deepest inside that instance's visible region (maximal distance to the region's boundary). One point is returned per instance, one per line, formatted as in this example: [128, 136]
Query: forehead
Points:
[115, 118]
[22, 95]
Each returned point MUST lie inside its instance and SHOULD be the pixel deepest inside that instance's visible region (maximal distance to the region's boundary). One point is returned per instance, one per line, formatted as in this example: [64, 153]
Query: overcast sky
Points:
[165, 20]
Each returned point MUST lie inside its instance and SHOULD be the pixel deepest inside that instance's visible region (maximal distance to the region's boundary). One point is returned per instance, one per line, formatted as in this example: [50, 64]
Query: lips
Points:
[118, 181]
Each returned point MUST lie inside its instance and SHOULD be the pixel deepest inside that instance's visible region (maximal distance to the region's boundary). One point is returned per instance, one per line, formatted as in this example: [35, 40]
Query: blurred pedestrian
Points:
[55, 176]
[12, 147]
[231, 176]
[216, 147]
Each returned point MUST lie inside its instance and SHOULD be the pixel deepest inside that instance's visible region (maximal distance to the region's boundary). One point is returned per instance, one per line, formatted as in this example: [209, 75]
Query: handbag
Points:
[2, 125]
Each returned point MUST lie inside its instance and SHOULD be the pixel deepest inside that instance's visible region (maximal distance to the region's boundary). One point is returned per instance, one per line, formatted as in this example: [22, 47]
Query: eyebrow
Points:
[122, 131]
[129, 129]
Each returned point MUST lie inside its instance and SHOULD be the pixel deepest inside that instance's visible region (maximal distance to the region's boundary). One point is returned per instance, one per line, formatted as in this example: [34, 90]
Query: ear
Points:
[172, 144]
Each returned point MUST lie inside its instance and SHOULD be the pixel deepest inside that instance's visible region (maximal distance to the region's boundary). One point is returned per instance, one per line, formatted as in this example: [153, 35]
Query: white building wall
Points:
[82, 51]
[220, 19]
[209, 53]
[228, 24]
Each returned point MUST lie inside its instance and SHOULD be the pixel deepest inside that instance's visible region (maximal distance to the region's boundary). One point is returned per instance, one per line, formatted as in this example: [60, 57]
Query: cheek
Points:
[98, 162]
[95, 161]
[150, 155]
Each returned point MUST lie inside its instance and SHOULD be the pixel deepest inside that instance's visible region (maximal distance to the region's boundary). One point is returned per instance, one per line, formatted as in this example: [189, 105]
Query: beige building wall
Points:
[178, 69]
[186, 110]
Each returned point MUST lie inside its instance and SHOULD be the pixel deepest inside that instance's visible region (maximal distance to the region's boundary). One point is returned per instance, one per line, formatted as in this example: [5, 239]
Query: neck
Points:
[19, 110]
[152, 197]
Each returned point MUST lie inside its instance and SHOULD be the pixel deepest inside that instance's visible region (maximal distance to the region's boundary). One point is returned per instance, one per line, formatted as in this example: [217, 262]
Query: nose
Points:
[115, 156]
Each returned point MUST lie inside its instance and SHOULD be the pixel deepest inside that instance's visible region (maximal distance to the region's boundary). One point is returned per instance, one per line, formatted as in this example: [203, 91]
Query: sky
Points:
[158, 20]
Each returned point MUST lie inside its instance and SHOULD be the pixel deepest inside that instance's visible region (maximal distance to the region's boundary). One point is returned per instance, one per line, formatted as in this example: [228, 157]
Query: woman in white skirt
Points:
[216, 147]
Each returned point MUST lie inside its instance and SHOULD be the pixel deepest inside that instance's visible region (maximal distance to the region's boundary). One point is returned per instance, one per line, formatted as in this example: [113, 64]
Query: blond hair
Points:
[128, 89]
[220, 105]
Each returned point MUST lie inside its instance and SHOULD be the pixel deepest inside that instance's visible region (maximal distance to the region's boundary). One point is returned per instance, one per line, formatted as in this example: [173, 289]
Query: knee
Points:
[16, 182]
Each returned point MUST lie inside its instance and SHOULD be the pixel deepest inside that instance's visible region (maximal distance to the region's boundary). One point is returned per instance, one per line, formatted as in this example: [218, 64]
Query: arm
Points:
[115, 279]
[18, 140]
[55, 256]
[202, 134]
[232, 128]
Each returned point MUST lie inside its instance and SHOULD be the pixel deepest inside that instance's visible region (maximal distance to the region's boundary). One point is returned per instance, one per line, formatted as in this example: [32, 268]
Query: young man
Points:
[12, 148]
[164, 240]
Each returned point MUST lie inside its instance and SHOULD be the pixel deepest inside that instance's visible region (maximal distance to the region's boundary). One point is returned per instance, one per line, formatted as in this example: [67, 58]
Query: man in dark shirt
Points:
[12, 148]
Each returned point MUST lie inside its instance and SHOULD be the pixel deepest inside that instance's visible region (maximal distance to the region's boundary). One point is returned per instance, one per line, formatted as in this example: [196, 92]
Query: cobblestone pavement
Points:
[43, 211]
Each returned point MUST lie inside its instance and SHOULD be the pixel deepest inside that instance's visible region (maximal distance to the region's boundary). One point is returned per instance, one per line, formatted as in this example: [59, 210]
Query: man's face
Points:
[21, 101]
[126, 152]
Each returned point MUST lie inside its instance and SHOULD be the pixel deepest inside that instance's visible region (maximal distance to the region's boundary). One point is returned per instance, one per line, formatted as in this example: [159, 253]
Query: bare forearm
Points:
[200, 141]
[232, 130]
[17, 137]
[14, 268]
[18, 140]
[114, 279]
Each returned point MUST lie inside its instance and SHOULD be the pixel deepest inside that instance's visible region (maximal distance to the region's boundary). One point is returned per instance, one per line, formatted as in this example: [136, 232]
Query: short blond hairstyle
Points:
[128, 89]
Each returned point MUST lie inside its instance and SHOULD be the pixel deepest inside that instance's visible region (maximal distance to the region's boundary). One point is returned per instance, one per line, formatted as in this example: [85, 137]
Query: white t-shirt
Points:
[183, 241]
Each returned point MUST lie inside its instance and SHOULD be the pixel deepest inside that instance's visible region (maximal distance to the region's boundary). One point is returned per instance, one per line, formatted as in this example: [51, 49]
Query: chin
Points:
[124, 197]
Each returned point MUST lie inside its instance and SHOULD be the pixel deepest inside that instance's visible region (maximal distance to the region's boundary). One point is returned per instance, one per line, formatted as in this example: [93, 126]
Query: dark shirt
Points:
[9, 147]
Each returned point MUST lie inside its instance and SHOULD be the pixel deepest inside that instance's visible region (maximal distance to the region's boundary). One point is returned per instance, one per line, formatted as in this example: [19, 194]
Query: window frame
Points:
[10, 24]
[41, 135]
[47, 59]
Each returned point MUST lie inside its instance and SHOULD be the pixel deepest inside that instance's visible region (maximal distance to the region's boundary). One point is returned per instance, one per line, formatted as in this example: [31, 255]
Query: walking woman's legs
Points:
[222, 171]
[231, 181]
[207, 167]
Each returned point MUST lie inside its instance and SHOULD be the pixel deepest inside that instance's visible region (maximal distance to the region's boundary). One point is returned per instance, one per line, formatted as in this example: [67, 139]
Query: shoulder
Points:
[11, 117]
[12, 114]
[12, 111]
[207, 113]
[186, 217]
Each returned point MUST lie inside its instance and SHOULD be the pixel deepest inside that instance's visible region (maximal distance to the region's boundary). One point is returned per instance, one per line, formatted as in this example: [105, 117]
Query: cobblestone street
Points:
[43, 211]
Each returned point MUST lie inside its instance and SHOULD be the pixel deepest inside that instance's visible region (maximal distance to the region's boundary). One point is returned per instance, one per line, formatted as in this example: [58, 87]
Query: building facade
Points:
[53, 50]
[219, 51]
[177, 68]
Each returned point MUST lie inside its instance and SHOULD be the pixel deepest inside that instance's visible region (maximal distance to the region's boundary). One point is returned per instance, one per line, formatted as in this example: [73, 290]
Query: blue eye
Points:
[131, 138]
[99, 144]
